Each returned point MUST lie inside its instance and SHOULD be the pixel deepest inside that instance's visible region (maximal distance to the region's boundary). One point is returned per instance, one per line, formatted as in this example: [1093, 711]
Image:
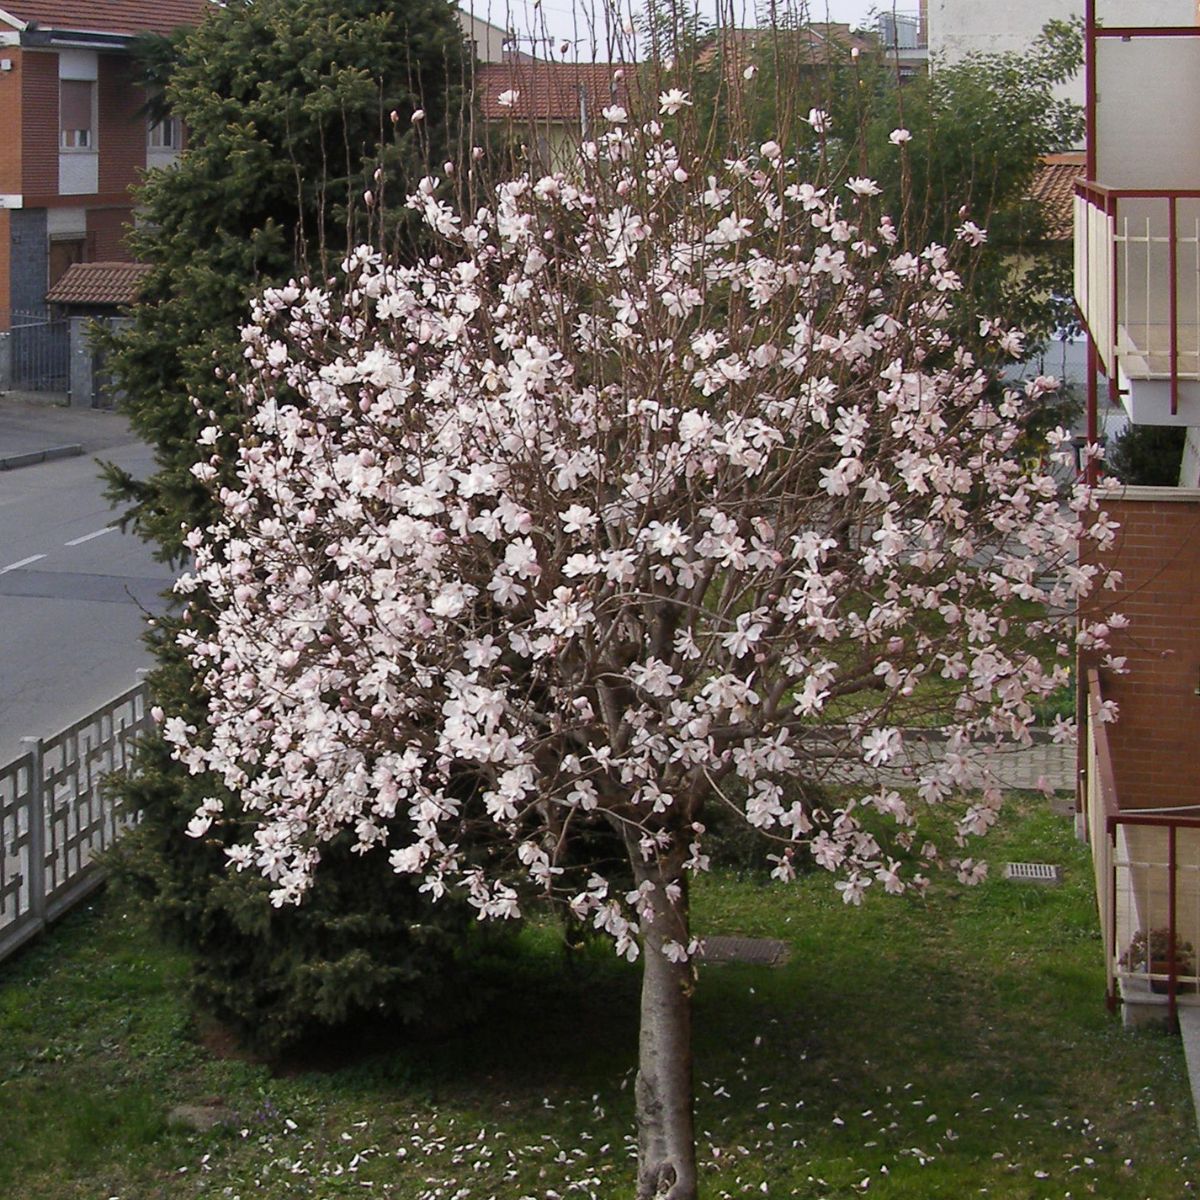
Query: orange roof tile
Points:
[99, 283]
[1053, 187]
[547, 91]
[107, 16]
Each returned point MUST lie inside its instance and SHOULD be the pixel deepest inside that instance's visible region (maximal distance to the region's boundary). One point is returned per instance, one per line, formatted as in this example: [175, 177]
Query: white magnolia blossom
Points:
[661, 485]
[672, 101]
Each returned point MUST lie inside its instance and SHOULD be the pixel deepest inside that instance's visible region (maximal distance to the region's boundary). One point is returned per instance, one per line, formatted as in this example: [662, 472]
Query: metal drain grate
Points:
[1047, 873]
[765, 952]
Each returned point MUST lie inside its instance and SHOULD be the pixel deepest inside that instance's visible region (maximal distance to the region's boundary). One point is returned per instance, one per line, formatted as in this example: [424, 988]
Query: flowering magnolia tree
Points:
[655, 492]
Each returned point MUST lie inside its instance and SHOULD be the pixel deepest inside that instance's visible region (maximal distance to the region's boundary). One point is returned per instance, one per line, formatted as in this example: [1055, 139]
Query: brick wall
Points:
[10, 119]
[121, 137]
[106, 234]
[1155, 741]
[39, 125]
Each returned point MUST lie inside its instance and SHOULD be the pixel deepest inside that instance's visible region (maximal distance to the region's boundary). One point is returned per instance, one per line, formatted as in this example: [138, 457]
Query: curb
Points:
[12, 461]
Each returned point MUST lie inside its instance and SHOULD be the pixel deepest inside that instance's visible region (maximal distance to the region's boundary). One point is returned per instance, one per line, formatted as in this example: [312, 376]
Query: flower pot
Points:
[1162, 986]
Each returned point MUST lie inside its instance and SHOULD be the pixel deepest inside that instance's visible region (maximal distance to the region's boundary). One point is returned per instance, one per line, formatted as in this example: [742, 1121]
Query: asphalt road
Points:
[74, 596]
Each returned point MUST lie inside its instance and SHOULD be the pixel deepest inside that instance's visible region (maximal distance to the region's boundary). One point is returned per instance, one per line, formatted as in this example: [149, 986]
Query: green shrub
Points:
[1148, 455]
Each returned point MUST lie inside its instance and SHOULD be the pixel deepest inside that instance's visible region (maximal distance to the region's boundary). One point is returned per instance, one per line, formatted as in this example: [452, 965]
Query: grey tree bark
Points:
[666, 1124]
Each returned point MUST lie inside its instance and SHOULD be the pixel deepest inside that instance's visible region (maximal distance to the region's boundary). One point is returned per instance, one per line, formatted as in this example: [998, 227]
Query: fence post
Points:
[37, 832]
[1172, 987]
[1110, 950]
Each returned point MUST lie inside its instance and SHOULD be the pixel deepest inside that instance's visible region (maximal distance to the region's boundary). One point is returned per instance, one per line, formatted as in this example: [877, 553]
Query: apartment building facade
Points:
[1137, 287]
[76, 135]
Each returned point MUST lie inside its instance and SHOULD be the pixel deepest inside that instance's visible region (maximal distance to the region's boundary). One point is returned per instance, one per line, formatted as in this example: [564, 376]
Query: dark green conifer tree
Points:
[290, 109]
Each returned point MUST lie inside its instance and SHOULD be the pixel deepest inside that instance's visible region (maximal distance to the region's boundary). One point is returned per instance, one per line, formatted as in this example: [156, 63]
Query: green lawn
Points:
[950, 1047]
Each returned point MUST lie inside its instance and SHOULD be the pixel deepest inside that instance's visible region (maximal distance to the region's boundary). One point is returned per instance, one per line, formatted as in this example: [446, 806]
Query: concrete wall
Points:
[82, 387]
[1189, 468]
[1155, 739]
[90, 384]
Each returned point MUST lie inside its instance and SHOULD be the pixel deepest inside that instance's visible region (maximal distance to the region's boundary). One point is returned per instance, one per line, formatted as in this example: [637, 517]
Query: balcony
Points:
[1147, 871]
[1137, 283]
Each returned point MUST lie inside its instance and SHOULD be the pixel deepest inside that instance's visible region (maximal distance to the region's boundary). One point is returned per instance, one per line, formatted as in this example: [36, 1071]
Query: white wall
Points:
[1189, 468]
[1147, 112]
[487, 36]
[960, 27]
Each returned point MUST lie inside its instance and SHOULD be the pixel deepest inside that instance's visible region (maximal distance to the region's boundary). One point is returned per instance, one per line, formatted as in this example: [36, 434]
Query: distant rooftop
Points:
[547, 91]
[99, 283]
[1053, 188]
[126, 17]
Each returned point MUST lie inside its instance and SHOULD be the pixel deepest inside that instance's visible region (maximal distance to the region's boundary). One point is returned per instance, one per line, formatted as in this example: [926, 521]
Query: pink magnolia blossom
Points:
[658, 487]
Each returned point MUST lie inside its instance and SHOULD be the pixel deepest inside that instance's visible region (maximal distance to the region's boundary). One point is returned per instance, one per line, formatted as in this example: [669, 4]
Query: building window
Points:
[77, 112]
[165, 135]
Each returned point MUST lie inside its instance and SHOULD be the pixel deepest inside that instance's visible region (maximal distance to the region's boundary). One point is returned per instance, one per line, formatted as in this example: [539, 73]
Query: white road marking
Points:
[23, 563]
[87, 537]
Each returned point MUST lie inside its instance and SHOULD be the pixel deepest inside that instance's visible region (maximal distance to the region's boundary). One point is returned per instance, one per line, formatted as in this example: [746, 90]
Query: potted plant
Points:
[1150, 952]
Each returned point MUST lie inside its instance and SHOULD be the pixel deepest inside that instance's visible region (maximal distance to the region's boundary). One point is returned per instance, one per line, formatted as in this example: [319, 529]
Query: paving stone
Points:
[1026, 768]
[200, 1117]
[763, 951]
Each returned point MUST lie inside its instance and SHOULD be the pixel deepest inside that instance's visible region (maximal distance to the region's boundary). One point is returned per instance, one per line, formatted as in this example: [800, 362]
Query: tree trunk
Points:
[666, 1128]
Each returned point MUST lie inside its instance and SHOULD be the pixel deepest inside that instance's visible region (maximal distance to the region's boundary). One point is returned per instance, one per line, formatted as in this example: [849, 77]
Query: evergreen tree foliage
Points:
[1148, 455]
[977, 130]
[291, 108]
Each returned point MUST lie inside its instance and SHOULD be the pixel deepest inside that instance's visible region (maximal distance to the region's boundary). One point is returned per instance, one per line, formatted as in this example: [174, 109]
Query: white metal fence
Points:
[55, 816]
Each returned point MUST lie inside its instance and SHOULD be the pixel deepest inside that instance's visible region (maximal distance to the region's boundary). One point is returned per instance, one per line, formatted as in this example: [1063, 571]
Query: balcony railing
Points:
[1147, 867]
[1137, 283]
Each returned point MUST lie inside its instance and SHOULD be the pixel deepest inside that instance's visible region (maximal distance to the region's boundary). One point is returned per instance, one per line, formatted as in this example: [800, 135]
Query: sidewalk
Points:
[1044, 765]
[33, 430]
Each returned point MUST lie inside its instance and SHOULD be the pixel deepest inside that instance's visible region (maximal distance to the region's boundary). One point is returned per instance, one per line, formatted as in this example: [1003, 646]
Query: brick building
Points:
[548, 107]
[75, 136]
[1137, 287]
[1140, 803]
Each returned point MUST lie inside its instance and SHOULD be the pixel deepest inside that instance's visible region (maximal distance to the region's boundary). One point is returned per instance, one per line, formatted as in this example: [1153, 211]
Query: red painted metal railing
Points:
[1105, 821]
[1107, 201]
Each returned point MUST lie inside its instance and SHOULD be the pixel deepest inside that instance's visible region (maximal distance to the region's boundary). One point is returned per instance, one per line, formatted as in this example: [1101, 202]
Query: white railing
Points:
[1156, 877]
[1158, 266]
[1095, 252]
[56, 815]
[1137, 281]
[1098, 804]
